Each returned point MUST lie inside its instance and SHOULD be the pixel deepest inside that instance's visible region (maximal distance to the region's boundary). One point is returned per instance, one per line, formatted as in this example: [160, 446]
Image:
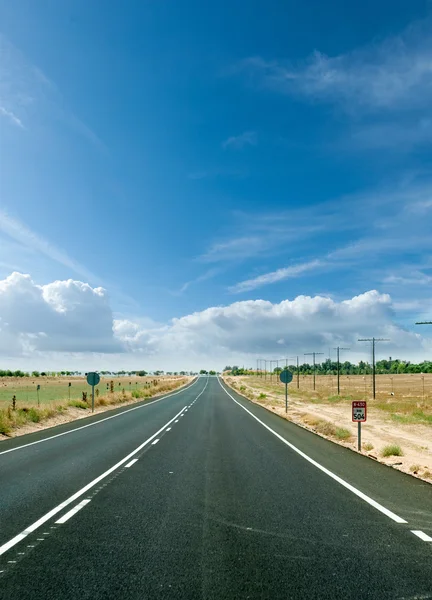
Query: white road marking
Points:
[132, 462]
[155, 442]
[168, 429]
[100, 421]
[316, 464]
[423, 536]
[15, 540]
[74, 511]
[176, 421]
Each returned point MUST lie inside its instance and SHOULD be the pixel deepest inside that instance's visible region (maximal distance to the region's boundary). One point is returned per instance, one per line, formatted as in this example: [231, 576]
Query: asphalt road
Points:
[205, 495]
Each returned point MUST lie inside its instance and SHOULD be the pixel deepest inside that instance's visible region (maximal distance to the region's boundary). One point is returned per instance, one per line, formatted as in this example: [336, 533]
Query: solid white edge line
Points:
[73, 511]
[316, 464]
[100, 421]
[12, 542]
[132, 462]
[422, 535]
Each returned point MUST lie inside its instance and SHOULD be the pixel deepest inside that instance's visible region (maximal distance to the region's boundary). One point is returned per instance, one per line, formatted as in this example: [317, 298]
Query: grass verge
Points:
[11, 420]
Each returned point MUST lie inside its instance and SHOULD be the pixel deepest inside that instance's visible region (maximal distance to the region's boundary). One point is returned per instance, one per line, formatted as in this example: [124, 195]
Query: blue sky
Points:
[189, 155]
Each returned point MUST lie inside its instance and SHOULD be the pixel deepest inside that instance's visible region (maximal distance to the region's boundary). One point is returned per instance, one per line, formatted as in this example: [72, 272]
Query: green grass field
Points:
[53, 392]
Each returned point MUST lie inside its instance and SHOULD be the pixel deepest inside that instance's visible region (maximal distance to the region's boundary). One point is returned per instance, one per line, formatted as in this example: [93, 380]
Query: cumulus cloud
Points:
[66, 320]
[254, 328]
[63, 316]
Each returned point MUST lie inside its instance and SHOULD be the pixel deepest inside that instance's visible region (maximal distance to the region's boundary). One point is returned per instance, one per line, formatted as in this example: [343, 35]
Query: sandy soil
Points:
[379, 430]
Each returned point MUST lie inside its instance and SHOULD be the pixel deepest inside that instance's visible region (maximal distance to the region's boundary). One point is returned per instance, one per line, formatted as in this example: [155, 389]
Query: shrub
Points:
[78, 403]
[137, 394]
[414, 468]
[368, 446]
[343, 434]
[262, 396]
[391, 450]
[326, 428]
[4, 424]
[242, 388]
[33, 415]
[427, 474]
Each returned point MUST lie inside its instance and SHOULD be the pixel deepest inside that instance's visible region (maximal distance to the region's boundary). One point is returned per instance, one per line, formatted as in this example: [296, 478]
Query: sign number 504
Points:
[359, 411]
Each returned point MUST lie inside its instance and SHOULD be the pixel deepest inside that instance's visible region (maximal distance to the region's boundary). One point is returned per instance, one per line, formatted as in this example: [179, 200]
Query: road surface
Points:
[205, 495]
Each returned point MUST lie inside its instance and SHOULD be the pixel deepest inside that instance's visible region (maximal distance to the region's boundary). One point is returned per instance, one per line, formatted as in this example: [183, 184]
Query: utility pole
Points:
[338, 366]
[265, 369]
[374, 341]
[313, 354]
[298, 374]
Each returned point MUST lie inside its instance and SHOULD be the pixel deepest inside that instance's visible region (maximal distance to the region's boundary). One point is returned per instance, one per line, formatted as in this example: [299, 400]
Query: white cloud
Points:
[278, 275]
[26, 90]
[62, 316]
[70, 323]
[11, 116]
[246, 329]
[247, 138]
[18, 231]
[392, 73]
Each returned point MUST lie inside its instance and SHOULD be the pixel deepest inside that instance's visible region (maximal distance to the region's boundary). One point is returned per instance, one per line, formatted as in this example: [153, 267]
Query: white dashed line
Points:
[168, 429]
[101, 420]
[316, 464]
[15, 540]
[73, 512]
[176, 421]
[423, 536]
[155, 442]
[132, 462]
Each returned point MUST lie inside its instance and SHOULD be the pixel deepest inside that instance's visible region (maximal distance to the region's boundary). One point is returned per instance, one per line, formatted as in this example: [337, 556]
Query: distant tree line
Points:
[329, 367]
[142, 373]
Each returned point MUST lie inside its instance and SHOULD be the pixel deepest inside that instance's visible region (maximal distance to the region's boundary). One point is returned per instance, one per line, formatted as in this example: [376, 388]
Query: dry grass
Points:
[368, 446]
[410, 404]
[11, 420]
[391, 450]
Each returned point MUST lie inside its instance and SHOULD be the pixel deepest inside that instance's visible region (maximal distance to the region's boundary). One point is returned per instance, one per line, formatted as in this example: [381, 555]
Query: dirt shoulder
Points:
[333, 421]
[71, 413]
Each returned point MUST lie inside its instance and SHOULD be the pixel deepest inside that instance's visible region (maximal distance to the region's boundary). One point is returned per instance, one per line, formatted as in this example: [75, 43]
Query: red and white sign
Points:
[359, 411]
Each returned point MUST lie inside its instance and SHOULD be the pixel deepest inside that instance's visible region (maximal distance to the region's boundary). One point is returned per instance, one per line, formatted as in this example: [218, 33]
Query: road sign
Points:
[359, 411]
[93, 378]
[286, 376]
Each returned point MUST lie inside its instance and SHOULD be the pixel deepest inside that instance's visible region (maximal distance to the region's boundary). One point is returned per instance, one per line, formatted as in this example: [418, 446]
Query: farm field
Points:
[53, 389]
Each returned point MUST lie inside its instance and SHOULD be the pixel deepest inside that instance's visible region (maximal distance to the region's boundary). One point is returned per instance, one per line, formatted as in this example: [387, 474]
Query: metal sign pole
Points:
[359, 436]
[286, 397]
[92, 398]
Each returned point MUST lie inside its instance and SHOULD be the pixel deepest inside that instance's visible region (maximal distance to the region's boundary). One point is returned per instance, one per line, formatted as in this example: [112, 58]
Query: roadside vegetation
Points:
[17, 414]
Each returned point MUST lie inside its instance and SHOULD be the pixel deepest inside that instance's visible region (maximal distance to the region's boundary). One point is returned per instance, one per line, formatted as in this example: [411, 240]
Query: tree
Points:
[141, 373]
[35, 374]
[227, 368]
[203, 372]
[212, 372]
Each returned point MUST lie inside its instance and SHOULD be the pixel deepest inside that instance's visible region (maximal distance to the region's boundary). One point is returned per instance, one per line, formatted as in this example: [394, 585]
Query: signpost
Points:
[286, 378]
[359, 414]
[93, 379]
[37, 391]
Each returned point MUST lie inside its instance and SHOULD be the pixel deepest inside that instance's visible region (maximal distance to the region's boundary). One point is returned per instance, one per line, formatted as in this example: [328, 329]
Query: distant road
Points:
[203, 494]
